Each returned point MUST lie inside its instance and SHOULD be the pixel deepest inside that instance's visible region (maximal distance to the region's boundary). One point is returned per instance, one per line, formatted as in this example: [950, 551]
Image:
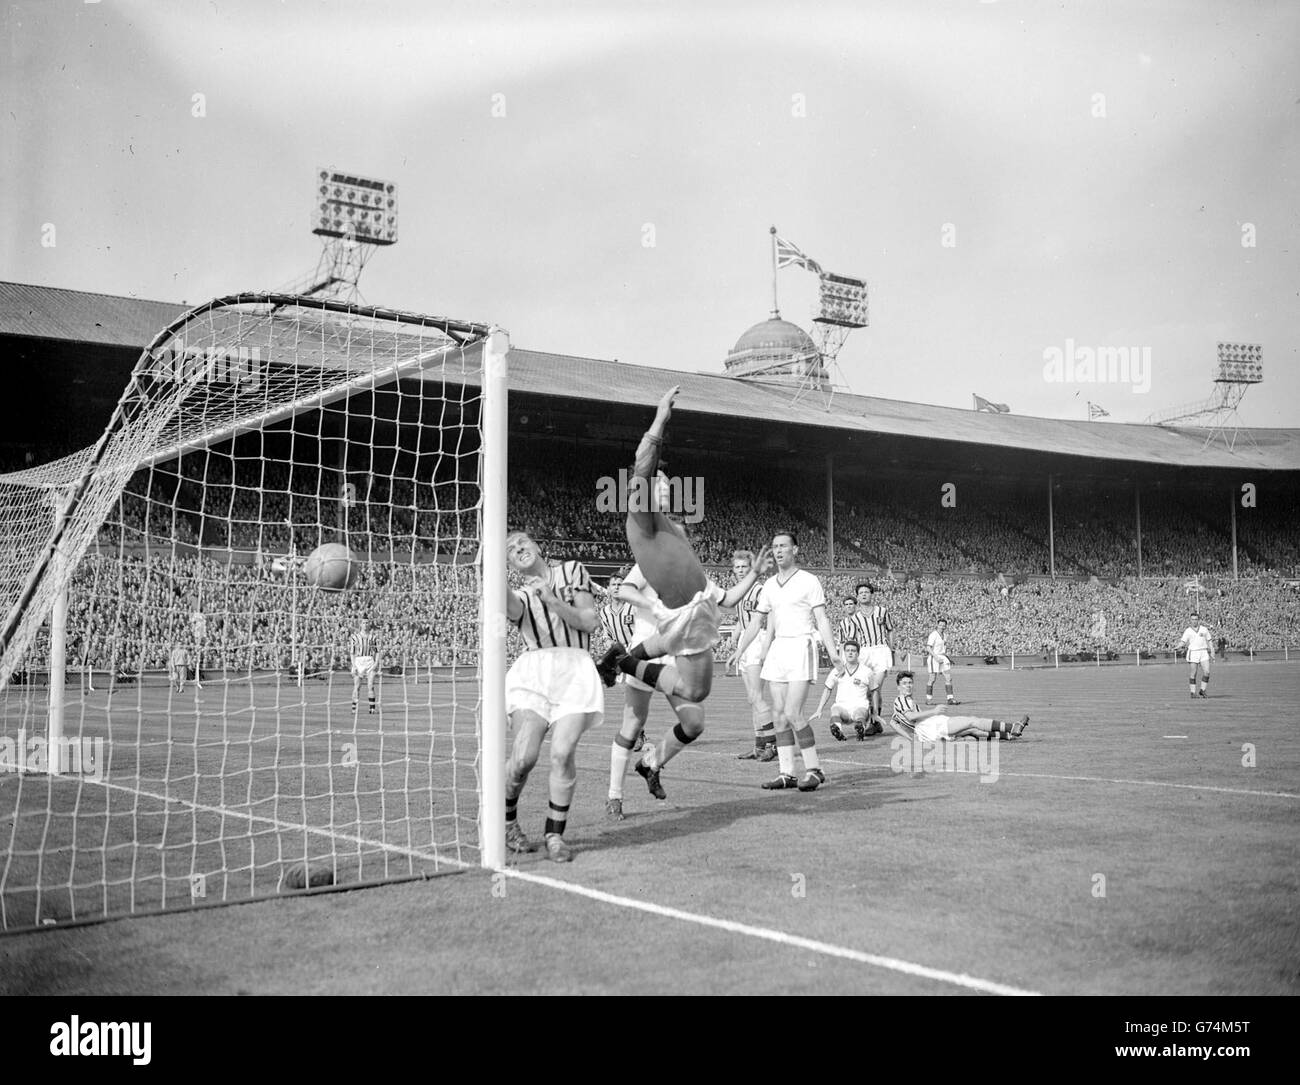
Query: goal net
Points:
[177, 716]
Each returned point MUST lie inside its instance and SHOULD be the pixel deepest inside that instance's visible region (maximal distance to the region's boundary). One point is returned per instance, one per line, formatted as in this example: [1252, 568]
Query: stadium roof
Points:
[593, 385]
[611, 382]
[46, 312]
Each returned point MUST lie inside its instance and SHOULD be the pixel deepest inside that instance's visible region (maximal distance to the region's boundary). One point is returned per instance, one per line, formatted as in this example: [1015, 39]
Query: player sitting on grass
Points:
[935, 725]
[852, 706]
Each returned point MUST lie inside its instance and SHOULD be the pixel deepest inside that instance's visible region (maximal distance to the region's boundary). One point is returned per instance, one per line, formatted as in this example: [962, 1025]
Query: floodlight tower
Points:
[843, 308]
[1240, 366]
[353, 216]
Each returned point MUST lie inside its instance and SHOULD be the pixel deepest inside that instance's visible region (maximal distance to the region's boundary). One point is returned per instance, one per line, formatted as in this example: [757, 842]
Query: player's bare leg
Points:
[968, 727]
[356, 690]
[660, 546]
[529, 728]
[370, 690]
[636, 710]
[565, 735]
[689, 727]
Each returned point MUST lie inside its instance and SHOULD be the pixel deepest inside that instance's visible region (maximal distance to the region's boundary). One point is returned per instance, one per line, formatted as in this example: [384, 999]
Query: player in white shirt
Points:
[852, 705]
[1199, 643]
[792, 606]
[751, 664]
[640, 599]
[178, 667]
[937, 661]
[935, 725]
[552, 686]
[687, 613]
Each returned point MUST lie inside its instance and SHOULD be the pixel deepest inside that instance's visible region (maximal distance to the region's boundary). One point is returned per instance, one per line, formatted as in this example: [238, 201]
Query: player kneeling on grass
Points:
[935, 725]
[852, 707]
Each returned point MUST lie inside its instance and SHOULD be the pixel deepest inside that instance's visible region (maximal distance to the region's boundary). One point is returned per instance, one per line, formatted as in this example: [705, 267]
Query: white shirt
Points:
[852, 687]
[791, 604]
[1197, 639]
[645, 622]
[936, 645]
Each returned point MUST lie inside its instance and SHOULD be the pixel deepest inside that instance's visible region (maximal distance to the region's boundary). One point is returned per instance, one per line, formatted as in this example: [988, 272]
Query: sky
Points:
[1016, 181]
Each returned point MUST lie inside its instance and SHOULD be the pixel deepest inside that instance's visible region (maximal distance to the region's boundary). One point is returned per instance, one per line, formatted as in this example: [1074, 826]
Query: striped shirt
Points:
[618, 620]
[874, 625]
[848, 629]
[902, 706]
[543, 627]
[363, 644]
[747, 609]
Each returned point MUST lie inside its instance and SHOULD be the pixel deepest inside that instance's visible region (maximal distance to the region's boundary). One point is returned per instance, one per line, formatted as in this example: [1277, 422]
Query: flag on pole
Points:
[1193, 585]
[1096, 411]
[788, 253]
[982, 404]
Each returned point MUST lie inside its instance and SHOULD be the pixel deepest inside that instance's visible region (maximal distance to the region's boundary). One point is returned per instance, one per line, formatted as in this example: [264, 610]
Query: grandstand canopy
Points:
[74, 352]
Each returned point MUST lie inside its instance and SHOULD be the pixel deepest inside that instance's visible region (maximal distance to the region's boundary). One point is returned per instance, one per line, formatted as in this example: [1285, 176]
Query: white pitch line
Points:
[793, 941]
[1173, 736]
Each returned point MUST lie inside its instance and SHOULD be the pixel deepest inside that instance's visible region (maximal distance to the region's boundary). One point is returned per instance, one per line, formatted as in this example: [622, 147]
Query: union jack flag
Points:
[788, 253]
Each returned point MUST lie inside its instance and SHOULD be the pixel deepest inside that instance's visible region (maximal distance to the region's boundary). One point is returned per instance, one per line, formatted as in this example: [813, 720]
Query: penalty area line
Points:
[792, 941]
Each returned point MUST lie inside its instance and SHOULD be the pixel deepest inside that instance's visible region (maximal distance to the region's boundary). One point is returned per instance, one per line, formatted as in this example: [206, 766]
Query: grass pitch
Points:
[1135, 842]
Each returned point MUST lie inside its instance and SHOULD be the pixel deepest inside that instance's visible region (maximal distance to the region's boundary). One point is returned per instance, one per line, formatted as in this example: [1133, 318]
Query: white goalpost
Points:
[256, 431]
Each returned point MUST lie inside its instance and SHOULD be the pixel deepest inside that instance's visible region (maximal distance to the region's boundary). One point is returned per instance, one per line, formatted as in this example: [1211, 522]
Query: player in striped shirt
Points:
[935, 725]
[847, 627]
[553, 685]
[1199, 642]
[874, 628]
[937, 661]
[751, 663]
[365, 663]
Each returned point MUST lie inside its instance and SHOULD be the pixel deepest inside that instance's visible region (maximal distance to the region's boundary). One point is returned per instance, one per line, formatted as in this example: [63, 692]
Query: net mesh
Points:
[211, 749]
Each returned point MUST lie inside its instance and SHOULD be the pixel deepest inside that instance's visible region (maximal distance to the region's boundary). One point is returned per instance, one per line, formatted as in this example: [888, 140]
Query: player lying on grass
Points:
[686, 614]
[852, 707]
[935, 725]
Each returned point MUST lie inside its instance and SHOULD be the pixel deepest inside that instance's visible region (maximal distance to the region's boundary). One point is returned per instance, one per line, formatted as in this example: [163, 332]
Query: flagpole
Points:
[776, 309]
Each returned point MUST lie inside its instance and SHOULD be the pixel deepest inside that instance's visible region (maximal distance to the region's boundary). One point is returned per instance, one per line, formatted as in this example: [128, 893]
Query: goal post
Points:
[277, 469]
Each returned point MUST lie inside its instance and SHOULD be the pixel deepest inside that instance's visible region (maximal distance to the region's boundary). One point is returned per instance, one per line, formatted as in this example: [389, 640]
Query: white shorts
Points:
[940, 665]
[363, 666]
[934, 729]
[790, 659]
[689, 629]
[753, 656]
[877, 659]
[1202, 657]
[555, 682]
[851, 710]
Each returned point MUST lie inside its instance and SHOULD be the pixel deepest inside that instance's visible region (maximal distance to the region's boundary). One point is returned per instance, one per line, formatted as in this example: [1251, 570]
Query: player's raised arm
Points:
[735, 594]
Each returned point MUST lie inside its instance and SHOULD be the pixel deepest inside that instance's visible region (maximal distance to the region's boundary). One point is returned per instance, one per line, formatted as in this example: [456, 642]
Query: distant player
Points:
[687, 613]
[1199, 642]
[365, 663]
[178, 665]
[874, 628]
[934, 725]
[852, 705]
[937, 661]
[847, 628]
[750, 665]
[553, 685]
[792, 606]
[199, 627]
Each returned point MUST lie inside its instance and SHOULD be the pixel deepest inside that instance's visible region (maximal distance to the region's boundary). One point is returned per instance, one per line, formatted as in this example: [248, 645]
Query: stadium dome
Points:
[776, 350]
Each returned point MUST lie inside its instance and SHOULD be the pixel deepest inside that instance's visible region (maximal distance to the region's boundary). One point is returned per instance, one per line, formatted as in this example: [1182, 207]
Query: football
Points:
[332, 567]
